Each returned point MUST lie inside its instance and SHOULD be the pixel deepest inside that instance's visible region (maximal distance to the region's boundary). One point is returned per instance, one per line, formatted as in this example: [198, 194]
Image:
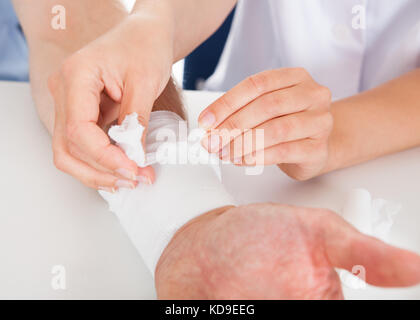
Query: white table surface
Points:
[48, 218]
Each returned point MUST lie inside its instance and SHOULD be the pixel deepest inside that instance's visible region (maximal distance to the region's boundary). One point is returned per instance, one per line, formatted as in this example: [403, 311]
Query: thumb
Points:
[384, 265]
[138, 96]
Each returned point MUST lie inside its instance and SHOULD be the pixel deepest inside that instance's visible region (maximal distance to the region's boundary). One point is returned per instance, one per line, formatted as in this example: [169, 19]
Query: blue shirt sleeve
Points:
[14, 64]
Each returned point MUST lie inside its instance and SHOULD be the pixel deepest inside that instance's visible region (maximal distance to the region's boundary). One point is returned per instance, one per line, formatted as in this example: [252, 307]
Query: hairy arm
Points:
[375, 123]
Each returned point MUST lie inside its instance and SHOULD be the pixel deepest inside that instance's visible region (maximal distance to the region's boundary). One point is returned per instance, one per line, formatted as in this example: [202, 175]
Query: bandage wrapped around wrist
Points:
[187, 182]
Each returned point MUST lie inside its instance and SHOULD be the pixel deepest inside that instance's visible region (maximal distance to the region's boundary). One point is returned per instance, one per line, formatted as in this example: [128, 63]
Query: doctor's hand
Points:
[272, 251]
[288, 107]
[121, 72]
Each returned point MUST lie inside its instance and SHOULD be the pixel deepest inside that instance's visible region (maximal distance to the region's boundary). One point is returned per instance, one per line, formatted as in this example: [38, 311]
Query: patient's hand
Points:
[270, 251]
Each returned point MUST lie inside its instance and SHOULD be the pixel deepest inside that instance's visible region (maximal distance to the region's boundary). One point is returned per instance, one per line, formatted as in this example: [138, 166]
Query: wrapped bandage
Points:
[187, 182]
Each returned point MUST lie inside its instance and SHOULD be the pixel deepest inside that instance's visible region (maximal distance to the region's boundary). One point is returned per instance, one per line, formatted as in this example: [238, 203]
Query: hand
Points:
[122, 72]
[271, 251]
[291, 108]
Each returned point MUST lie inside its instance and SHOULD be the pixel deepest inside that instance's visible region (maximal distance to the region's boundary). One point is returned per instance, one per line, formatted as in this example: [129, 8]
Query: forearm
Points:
[381, 121]
[189, 21]
[85, 21]
[43, 62]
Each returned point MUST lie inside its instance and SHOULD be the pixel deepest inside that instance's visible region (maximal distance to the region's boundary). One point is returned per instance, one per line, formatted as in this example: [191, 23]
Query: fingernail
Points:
[207, 120]
[110, 190]
[144, 180]
[125, 184]
[126, 173]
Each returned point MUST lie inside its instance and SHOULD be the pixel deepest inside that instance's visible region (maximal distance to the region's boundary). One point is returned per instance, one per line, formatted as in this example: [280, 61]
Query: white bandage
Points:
[185, 186]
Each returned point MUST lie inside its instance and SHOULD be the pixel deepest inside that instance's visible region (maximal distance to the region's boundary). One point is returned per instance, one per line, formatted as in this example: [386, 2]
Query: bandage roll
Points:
[151, 215]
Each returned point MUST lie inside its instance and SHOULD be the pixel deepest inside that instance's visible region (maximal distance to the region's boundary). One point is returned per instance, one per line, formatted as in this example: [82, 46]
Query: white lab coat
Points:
[347, 45]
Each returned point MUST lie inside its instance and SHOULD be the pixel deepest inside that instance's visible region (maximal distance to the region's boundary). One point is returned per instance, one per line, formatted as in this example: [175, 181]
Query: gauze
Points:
[187, 183]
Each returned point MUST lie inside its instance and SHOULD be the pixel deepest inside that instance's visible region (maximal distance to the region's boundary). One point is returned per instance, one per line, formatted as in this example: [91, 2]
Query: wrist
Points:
[335, 147]
[162, 14]
[183, 238]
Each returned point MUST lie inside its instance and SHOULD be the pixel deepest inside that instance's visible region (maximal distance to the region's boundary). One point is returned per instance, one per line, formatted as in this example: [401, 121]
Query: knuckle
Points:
[225, 104]
[285, 128]
[275, 100]
[59, 159]
[300, 72]
[231, 123]
[328, 121]
[323, 94]
[260, 82]
[273, 103]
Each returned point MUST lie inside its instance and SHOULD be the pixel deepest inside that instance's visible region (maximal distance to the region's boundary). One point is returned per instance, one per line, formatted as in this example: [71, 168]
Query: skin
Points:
[287, 253]
[292, 110]
[109, 70]
[304, 135]
[94, 164]
[96, 78]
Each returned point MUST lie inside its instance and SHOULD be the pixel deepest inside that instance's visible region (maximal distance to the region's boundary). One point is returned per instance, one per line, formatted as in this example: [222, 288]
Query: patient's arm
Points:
[272, 251]
[263, 251]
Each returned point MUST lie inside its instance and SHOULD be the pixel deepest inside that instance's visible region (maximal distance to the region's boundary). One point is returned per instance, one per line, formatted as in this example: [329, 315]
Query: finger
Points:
[146, 175]
[297, 126]
[82, 97]
[289, 152]
[75, 152]
[91, 177]
[109, 112]
[247, 91]
[83, 88]
[269, 106]
[139, 96]
[94, 143]
[384, 265]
